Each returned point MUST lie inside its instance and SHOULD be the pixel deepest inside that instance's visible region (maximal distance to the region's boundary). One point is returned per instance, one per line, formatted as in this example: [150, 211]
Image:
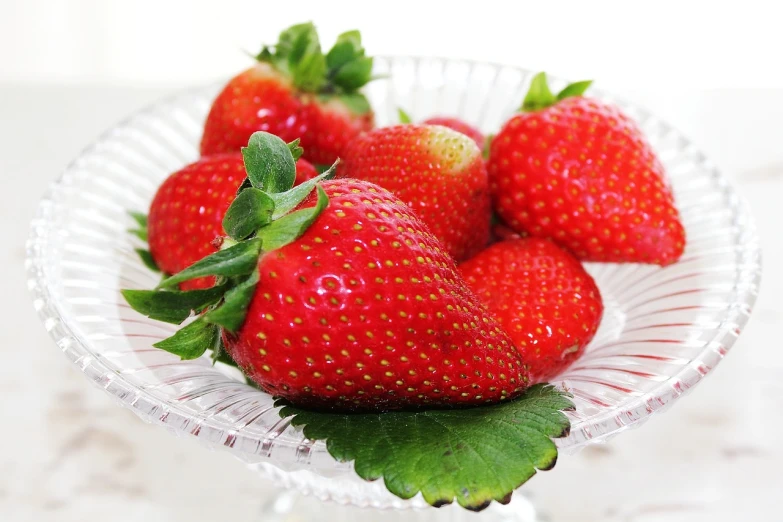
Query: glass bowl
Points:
[664, 329]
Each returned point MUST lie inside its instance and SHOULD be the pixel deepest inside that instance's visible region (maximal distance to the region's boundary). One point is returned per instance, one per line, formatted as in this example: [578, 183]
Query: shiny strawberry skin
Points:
[366, 311]
[331, 129]
[543, 298]
[256, 99]
[581, 172]
[438, 172]
[262, 99]
[304, 171]
[460, 126]
[186, 214]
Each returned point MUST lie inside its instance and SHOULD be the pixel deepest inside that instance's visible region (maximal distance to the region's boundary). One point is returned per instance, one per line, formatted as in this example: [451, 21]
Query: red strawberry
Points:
[294, 92]
[542, 297]
[187, 211]
[460, 126]
[344, 302]
[438, 172]
[579, 171]
[304, 171]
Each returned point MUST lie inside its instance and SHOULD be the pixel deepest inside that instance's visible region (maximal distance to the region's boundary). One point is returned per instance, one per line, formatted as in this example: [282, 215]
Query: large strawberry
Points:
[295, 91]
[344, 301]
[542, 297]
[186, 214]
[579, 171]
[437, 171]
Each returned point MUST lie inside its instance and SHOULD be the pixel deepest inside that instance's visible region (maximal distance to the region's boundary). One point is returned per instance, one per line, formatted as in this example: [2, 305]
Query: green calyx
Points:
[540, 97]
[340, 72]
[262, 218]
[403, 116]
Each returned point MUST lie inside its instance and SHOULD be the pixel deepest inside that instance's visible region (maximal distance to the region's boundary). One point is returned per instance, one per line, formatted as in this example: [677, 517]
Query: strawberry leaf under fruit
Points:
[473, 455]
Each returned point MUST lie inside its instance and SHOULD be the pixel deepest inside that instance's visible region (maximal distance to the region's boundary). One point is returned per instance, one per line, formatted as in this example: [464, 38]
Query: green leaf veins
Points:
[473, 455]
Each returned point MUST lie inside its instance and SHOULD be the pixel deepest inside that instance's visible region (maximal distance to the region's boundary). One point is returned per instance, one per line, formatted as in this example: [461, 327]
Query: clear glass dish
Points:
[664, 328]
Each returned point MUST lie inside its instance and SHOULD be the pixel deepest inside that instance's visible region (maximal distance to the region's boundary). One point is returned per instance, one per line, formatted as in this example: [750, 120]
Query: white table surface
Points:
[70, 454]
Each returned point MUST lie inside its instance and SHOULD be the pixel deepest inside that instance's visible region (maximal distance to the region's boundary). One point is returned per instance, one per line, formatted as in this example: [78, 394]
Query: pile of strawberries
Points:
[415, 272]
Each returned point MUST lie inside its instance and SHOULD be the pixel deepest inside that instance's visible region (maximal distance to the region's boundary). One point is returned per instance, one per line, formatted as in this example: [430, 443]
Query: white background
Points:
[70, 69]
[675, 44]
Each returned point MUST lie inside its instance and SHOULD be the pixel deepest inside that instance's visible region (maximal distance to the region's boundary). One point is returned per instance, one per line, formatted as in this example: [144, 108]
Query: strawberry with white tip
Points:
[437, 171]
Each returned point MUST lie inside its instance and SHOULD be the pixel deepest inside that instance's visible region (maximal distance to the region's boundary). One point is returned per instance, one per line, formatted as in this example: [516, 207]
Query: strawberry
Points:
[460, 126]
[343, 301]
[542, 297]
[437, 171]
[187, 211]
[305, 171]
[295, 91]
[579, 171]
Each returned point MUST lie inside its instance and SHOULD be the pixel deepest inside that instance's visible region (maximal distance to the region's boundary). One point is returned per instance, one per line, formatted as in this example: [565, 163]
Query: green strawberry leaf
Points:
[574, 89]
[140, 233]
[287, 201]
[471, 455]
[191, 341]
[231, 313]
[347, 48]
[139, 218]
[354, 74]
[296, 150]
[288, 39]
[141, 221]
[236, 260]
[172, 306]
[306, 62]
[487, 145]
[355, 102]
[289, 227]
[538, 96]
[269, 163]
[147, 259]
[251, 210]
[403, 116]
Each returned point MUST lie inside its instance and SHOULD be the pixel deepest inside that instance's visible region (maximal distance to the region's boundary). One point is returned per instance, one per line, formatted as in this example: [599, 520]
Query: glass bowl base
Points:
[290, 506]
